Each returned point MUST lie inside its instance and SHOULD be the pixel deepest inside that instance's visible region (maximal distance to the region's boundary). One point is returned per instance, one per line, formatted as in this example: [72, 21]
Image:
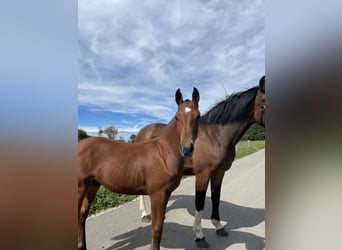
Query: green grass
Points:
[244, 148]
[107, 199]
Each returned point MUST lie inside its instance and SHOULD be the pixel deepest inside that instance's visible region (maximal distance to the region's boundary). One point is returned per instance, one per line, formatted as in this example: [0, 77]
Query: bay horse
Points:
[220, 129]
[153, 167]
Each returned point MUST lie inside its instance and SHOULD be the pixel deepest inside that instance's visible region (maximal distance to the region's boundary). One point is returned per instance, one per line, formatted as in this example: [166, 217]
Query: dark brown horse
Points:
[219, 131]
[153, 168]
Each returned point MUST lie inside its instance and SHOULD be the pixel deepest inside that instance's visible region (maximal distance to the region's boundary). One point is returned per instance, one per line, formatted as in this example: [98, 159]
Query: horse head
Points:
[187, 118]
[260, 103]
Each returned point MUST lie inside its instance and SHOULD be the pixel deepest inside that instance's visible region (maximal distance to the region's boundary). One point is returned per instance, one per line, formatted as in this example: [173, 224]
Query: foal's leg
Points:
[215, 184]
[202, 181]
[83, 185]
[158, 206]
[84, 211]
[142, 208]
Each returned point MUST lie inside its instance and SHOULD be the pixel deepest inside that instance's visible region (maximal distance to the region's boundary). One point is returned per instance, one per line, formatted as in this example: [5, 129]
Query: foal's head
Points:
[260, 103]
[187, 117]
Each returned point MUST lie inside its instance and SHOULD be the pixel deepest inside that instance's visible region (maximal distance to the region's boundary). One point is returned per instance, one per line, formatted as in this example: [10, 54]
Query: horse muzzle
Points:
[186, 151]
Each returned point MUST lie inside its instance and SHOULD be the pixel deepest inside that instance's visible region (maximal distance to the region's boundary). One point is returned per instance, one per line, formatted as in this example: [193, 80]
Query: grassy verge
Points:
[107, 199]
[244, 148]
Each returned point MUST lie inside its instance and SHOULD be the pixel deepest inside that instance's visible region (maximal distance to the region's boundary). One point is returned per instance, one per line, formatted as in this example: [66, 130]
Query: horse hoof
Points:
[202, 243]
[222, 232]
[146, 218]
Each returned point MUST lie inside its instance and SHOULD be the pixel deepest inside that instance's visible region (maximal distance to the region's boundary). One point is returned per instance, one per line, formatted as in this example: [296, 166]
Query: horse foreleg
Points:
[89, 196]
[158, 206]
[142, 208]
[215, 185]
[201, 189]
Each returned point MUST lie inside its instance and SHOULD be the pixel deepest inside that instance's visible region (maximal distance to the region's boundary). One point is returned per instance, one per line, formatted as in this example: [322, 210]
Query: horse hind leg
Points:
[83, 185]
[142, 208]
[89, 196]
[215, 185]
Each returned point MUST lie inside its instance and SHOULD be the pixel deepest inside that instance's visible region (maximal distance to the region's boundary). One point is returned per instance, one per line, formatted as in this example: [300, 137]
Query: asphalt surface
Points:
[242, 211]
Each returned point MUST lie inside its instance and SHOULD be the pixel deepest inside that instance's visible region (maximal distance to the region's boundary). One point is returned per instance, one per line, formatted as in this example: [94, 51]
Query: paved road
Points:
[242, 210]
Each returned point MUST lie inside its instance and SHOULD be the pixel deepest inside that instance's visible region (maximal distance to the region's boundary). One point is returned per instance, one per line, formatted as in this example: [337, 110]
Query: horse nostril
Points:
[191, 147]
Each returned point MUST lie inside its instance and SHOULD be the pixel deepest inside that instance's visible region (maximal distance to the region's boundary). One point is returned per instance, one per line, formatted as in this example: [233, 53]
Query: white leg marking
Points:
[217, 224]
[142, 208]
[197, 225]
[187, 109]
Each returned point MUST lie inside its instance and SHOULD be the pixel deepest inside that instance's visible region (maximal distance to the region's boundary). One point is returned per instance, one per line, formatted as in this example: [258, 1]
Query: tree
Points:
[82, 134]
[111, 132]
[132, 138]
[254, 133]
[100, 131]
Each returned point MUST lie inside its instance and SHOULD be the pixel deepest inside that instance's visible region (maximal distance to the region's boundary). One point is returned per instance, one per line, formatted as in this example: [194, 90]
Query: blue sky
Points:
[133, 55]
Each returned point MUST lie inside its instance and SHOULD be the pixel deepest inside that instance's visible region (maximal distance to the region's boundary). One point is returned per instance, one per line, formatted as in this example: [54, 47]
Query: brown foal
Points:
[153, 167]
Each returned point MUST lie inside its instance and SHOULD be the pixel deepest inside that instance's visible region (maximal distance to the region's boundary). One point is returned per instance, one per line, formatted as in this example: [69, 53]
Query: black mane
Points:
[234, 108]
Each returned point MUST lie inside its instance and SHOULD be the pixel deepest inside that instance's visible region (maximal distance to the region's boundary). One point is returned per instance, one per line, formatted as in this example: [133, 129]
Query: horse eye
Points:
[176, 118]
[263, 107]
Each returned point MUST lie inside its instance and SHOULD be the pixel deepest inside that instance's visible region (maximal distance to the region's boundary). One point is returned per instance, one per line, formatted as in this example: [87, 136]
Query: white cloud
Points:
[134, 54]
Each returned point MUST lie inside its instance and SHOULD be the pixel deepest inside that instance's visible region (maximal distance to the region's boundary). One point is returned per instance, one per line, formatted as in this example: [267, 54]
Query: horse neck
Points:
[170, 137]
[232, 132]
[240, 130]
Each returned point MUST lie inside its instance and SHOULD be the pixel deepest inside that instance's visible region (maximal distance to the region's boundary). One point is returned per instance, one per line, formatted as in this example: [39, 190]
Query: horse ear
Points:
[195, 95]
[179, 97]
[262, 84]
